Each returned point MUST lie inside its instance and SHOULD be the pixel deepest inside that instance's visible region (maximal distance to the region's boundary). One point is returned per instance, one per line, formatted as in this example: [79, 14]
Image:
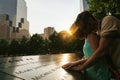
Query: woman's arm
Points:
[93, 40]
[75, 63]
[103, 46]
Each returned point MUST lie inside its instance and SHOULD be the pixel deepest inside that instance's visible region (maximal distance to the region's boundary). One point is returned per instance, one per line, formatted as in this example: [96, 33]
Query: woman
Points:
[86, 27]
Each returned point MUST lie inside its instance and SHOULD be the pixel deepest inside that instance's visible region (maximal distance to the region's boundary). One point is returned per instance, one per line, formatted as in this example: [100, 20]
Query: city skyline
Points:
[54, 13]
[14, 16]
[36, 15]
[16, 9]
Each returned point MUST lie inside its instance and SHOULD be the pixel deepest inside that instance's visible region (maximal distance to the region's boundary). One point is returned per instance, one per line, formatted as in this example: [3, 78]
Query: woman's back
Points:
[100, 70]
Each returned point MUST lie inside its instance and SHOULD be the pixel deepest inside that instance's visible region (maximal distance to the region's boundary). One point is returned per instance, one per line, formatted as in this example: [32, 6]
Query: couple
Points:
[101, 53]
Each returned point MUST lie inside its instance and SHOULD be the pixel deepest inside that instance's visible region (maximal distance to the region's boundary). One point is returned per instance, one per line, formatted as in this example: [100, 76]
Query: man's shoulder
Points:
[109, 24]
[109, 18]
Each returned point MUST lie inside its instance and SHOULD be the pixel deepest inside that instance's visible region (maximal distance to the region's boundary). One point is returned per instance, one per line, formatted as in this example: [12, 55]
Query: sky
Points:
[59, 14]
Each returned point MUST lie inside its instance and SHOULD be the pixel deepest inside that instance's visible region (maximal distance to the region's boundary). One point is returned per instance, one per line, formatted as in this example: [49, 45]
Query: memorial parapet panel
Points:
[40, 67]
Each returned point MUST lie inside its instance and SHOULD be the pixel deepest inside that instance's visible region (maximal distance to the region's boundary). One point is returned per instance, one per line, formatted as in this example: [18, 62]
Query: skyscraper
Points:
[5, 27]
[48, 31]
[16, 9]
[83, 5]
[17, 12]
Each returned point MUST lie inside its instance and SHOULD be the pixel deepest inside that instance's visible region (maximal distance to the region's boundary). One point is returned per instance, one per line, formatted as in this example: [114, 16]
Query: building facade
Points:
[48, 31]
[83, 5]
[17, 12]
[5, 27]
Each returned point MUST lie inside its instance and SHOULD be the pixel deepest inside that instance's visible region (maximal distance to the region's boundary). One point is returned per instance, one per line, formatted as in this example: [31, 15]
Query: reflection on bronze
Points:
[41, 67]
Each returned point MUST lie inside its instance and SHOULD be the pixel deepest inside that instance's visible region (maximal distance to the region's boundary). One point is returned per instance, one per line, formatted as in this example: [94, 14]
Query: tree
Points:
[65, 38]
[35, 44]
[46, 47]
[3, 46]
[101, 8]
[14, 47]
[23, 45]
[63, 42]
[55, 43]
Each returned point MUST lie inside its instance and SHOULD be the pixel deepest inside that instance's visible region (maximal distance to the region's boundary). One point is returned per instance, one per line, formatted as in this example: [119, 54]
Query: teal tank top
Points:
[100, 70]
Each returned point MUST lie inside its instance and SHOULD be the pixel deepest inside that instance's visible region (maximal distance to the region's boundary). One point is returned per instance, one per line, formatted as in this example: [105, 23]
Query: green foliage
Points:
[35, 43]
[3, 46]
[14, 47]
[23, 45]
[61, 42]
[101, 8]
[57, 43]
[46, 47]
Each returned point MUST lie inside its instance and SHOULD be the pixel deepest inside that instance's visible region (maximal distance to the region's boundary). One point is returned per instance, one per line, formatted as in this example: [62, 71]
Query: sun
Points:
[69, 32]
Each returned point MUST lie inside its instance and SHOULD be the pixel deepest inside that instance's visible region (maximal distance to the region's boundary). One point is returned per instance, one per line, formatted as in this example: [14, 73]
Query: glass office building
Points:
[17, 12]
[16, 9]
[83, 5]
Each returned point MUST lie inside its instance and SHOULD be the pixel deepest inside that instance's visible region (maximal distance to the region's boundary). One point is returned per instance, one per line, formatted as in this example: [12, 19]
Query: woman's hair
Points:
[85, 24]
[84, 17]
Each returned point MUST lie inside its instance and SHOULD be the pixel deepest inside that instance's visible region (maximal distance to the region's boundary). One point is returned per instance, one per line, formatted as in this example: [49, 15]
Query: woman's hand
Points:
[74, 64]
[68, 65]
[76, 68]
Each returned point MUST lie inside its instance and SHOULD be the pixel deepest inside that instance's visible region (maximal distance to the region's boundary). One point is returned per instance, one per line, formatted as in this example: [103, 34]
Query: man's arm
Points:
[100, 51]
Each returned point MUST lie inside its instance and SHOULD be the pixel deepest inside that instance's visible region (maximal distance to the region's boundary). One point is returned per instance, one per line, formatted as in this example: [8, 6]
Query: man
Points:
[109, 43]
